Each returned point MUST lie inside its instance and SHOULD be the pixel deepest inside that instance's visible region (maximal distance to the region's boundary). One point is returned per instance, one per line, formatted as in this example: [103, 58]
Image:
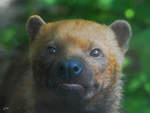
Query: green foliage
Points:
[49, 1]
[14, 37]
[137, 63]
[105, 4]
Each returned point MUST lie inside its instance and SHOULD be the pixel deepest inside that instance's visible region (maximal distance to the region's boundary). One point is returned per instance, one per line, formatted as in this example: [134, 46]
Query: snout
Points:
[71, 78]
[69, 69]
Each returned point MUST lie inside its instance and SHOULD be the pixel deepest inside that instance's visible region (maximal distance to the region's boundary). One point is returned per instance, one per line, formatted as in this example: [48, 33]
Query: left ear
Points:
[33, 26]
[122, 30]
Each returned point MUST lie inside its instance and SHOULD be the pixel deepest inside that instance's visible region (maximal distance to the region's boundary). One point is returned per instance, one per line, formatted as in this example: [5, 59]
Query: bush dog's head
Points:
[77, 60]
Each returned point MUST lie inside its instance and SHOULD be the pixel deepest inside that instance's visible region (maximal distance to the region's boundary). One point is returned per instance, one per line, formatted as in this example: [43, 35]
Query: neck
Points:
[104, 102]
[99, 104]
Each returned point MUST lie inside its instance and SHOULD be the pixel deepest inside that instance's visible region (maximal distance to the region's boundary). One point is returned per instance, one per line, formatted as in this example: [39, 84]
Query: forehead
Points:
[80, 32]
[76, 28]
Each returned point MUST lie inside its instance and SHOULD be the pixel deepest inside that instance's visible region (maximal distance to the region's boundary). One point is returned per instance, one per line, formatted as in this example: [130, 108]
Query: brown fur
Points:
[75, 38]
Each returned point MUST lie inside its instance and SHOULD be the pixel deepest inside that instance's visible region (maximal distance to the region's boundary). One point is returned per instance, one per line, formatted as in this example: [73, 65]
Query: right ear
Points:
[33, 25]
[122, 30]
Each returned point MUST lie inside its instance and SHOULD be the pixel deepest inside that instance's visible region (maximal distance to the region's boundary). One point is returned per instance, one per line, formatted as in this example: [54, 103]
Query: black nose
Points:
[69, 68]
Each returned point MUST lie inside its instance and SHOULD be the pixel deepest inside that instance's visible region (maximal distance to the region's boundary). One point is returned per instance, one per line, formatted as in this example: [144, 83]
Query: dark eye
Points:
[96, 52]
[52, 50]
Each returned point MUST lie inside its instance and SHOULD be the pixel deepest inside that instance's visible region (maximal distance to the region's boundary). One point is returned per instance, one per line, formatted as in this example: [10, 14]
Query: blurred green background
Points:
[13, 37]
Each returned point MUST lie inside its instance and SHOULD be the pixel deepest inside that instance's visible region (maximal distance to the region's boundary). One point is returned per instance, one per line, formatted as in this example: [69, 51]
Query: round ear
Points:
[122, 30]
[33, 25]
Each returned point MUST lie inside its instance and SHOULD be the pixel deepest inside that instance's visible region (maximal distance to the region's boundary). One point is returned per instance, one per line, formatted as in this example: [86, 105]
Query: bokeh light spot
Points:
[129, 13]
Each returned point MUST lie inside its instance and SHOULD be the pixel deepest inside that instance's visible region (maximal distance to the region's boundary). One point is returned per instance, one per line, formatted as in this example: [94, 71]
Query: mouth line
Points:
[58, 83]
[71, 86]
[74, 90]
[70, 90]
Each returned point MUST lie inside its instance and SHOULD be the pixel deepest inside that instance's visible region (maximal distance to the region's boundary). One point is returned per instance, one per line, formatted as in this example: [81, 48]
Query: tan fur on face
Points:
[84, 30]
[78, 36]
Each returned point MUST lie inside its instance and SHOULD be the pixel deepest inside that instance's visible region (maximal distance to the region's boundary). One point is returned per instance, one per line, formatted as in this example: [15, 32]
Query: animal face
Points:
[75, 60]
